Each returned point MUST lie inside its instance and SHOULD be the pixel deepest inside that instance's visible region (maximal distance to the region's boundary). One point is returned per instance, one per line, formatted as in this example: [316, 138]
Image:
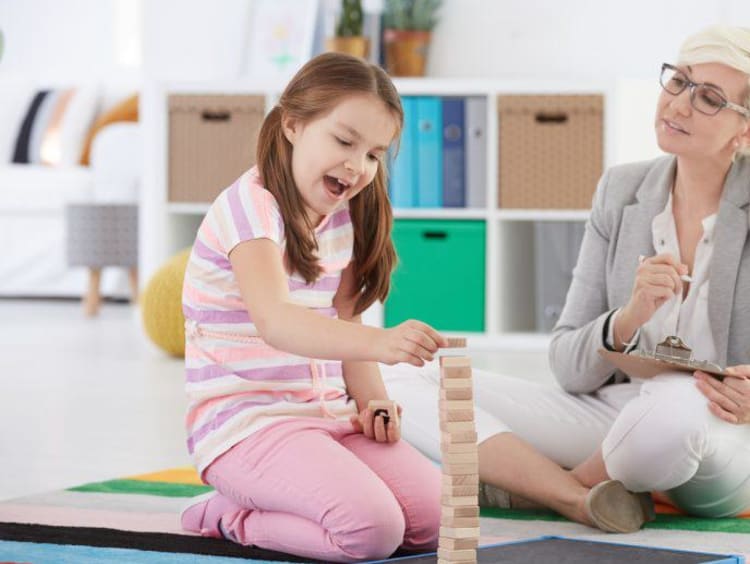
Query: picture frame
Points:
[281, 36]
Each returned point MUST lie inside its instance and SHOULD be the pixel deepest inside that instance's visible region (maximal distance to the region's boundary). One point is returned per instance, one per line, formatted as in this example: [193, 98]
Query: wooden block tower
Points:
[459, 520]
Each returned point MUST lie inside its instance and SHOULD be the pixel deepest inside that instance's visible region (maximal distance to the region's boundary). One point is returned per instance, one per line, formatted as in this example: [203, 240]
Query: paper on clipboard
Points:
[639, 366]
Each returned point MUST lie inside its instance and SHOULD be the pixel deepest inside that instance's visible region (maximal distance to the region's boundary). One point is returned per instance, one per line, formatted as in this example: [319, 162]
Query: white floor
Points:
[83, 399]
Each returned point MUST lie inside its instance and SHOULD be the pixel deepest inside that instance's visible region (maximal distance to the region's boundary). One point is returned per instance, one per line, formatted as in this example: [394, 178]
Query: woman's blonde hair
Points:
[313, 92]
[727, 45]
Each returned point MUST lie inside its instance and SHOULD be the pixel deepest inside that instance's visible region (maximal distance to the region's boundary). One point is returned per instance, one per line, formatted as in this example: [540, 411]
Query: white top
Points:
[686, 318]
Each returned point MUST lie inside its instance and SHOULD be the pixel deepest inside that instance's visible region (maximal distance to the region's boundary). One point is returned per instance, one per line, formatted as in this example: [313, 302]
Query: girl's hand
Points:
[729, 399]
[412, 341]
[375, 428]
[656, 281]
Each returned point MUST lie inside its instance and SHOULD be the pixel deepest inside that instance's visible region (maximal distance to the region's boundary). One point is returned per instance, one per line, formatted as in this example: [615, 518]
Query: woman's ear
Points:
[290, 127]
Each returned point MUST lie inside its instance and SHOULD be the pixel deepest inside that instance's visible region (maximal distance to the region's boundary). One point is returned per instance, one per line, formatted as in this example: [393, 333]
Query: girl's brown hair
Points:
[313, 92]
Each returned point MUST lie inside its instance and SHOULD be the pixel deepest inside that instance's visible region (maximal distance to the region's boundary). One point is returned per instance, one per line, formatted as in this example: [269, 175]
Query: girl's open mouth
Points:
[335, 186]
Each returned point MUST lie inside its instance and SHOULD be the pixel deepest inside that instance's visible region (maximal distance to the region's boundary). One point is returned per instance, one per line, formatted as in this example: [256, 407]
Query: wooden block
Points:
[444, 561]
[460, 554]
[455, 373]
[459, 448]
[461, 458]
[450, 361]
[460, 479]
[457, 426]
[456, 384]
[457, 544]
[386, 409]
[458, 437]
[460, 512]
[450, 405]
[457, 491]
[448, 521]
[457, 394]
[456, 342]
[467, 468]
[457, 415]
[457, 501]
[459, 532]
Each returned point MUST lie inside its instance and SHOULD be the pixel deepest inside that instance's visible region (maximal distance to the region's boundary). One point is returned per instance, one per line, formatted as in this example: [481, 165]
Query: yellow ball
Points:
[161, 305]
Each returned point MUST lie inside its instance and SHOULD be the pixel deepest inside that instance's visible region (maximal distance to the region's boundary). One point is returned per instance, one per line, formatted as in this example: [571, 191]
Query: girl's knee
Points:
[378, 534]
[376, 538]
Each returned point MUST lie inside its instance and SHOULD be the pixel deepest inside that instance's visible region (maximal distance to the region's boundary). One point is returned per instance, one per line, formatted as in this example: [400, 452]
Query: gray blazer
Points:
[618, 231]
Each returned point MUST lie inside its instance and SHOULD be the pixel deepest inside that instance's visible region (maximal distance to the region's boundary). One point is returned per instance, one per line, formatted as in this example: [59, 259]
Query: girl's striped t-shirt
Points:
[235, 382]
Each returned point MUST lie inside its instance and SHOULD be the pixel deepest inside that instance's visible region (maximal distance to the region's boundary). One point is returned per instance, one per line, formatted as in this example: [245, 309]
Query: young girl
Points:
[284, 263]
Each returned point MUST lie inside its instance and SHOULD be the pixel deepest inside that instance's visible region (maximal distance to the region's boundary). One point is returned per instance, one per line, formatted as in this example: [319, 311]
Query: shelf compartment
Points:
[440, 278]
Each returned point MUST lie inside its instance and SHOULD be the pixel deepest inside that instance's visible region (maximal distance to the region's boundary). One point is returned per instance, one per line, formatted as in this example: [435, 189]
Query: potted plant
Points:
[349, 38]
[407, 29]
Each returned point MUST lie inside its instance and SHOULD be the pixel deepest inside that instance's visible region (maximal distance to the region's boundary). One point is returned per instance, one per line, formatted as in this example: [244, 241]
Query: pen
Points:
[683, 277]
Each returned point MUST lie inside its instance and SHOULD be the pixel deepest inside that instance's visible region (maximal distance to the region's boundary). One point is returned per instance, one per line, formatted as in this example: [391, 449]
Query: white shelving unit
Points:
[165, 227]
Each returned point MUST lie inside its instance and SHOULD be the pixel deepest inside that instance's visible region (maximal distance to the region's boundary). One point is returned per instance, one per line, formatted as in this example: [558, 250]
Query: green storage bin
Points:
[440, 274]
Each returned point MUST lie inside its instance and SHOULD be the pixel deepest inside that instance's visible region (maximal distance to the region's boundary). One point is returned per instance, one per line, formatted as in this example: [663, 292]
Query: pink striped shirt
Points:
[235, 382]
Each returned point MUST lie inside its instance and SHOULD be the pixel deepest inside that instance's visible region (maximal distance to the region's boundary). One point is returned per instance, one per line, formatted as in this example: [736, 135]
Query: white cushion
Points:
[78, 119]
[42, 188]
[116, 156]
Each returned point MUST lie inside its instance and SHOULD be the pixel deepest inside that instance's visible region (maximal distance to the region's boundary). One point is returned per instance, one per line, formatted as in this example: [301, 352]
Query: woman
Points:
[665, 253]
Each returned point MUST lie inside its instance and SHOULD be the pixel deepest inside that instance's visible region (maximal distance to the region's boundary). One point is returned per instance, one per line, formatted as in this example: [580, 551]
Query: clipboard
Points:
[670, 355]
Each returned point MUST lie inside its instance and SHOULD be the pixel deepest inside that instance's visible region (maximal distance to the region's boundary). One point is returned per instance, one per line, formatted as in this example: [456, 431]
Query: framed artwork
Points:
[281, 38]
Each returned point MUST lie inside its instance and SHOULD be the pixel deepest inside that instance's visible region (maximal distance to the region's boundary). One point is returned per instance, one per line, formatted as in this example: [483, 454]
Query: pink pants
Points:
[316, 488]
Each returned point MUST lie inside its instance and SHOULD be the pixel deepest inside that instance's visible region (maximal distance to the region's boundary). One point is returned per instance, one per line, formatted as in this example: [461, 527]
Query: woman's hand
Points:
[728, 399]
[656, 281]
[412, 341]
[375, 428]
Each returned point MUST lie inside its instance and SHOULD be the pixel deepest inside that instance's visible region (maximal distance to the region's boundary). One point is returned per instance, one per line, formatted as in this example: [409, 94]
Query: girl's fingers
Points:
[367, 417]
[420, 346]
[433, 339]
[380, 432]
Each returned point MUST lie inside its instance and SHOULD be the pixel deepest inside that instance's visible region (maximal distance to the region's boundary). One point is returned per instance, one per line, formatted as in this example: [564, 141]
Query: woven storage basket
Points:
[551, 150]
[212, 141]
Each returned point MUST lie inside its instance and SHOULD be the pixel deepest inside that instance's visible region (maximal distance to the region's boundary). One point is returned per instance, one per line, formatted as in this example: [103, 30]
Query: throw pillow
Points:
[54, 125]
[126, 110]
[23, 139]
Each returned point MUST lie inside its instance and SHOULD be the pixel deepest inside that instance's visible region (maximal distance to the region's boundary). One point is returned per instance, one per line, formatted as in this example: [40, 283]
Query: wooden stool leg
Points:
[92, 299]
[133, 277]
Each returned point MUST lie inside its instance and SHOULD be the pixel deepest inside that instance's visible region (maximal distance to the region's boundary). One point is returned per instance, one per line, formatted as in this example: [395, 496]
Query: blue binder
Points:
[429, 152]
[454, 157]
[403, 166]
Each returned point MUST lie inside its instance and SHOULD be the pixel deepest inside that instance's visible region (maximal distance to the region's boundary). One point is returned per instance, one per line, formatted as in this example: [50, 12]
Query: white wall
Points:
[55, 40]
[207, 39]
[195, 39]
[572, 38]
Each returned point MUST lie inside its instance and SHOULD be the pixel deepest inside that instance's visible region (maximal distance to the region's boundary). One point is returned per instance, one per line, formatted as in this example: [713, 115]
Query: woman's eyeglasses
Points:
[705, 98]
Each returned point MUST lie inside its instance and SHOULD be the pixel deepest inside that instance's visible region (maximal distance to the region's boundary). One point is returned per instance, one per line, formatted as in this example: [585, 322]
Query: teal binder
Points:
[403, 165]
[429, 152]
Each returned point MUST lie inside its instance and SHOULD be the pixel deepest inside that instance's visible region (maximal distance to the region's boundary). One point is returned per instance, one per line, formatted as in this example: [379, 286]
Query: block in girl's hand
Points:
[456, 343]
[384, 408]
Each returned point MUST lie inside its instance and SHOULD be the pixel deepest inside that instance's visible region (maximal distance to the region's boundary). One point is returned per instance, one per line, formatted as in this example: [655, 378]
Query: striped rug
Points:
[92, 522]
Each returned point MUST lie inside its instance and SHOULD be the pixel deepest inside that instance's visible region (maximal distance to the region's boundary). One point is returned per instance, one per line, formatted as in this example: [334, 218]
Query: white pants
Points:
[655, 436]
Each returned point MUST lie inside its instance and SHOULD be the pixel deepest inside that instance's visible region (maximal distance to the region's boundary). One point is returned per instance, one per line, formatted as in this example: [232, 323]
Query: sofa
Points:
[33, 196]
